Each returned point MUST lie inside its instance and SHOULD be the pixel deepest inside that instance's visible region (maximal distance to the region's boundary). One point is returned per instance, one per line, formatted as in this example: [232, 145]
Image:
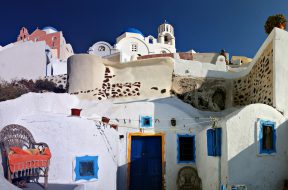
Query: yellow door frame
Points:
[152, 134]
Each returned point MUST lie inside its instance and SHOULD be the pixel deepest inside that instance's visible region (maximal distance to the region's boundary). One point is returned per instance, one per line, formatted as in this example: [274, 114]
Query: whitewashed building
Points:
[174, 129]
[132, 43]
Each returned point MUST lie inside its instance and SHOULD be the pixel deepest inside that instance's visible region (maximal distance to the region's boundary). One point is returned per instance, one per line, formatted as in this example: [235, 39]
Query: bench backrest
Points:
[16, 135]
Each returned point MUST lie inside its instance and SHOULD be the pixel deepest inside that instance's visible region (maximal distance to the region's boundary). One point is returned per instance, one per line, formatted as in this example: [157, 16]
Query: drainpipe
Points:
[219, 176]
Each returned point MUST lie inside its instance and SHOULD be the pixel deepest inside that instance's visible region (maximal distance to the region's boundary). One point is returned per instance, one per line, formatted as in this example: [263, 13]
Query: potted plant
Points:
[277, 20]
[75, 111]
[105, 120]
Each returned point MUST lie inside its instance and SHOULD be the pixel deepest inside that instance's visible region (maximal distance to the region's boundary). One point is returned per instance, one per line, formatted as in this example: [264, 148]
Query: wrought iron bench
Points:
[23, 169]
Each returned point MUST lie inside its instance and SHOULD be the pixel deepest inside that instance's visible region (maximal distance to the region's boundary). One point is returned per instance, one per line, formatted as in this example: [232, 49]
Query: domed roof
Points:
[50, 29]
[132, 30]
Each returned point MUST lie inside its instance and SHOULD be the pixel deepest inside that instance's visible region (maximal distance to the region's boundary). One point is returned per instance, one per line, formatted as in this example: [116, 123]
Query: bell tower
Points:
[166, 34]
[23, 34]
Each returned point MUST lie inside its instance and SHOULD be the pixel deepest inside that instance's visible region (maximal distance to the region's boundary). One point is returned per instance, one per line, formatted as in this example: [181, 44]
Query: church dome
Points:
[49, 29]
[133, 30]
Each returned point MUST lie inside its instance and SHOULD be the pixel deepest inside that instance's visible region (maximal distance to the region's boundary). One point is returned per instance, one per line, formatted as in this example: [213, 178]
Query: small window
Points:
[53, 41]
[86, 168]
[267, 137]
[101, 48]
[146, 122]
[134, 48]
[150, 40]
[166, 39]
[214, 139]
[186, 149]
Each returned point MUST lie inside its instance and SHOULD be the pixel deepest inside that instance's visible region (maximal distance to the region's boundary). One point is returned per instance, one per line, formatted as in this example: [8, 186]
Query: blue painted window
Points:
[146, 122]
[267, 137]
[214, 141]
[86, 168]
[186, 149]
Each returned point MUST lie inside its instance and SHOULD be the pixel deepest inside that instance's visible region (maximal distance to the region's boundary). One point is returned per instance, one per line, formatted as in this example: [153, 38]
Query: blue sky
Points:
[205, 26]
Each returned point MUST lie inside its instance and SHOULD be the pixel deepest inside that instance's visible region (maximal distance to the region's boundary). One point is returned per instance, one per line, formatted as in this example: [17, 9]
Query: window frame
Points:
[77, 160]
[101, 48]
[143, 125]
[134, 47]
[178, 149]
[262, 123]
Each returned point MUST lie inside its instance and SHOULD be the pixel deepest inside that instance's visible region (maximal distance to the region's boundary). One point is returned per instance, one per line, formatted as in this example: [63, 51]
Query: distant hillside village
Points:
[139, 115]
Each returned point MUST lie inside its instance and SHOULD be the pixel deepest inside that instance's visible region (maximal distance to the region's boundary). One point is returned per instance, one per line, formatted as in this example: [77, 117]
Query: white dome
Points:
[49, 29]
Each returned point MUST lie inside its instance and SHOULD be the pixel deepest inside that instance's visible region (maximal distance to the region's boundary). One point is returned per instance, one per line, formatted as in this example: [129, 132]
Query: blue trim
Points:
[270, 124]
[214, 141]
[143, 124]
[218, 141]
[210, 142]
[178, 149]
[93, 159]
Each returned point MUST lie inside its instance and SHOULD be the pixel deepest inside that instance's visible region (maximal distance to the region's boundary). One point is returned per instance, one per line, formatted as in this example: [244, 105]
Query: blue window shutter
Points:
[210, 142]
[272, 124]
[218, 140]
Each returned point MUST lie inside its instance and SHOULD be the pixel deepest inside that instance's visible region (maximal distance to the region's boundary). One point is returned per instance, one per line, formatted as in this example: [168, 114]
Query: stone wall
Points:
[113, 90]
[214, 94]
[257, 86]
[91, 78]
[59, 80]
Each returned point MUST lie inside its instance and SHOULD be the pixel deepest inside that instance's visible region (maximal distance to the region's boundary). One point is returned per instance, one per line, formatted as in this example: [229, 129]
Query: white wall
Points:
[104, 52]
[241, 161]
[25, 60]
[162, 109]
[47, 117]
[87, 72]
[59, 67]
[197, 68]
[66, 49]
[280, 69]
[123, 45]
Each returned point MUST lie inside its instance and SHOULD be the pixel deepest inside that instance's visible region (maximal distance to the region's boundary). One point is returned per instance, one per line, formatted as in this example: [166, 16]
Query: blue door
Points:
[146, 163]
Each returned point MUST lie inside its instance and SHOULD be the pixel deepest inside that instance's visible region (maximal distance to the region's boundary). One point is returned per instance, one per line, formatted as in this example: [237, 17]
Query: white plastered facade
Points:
[132, 43]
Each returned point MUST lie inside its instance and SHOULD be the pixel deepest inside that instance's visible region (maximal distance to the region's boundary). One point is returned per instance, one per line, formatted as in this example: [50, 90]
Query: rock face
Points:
[203, 94]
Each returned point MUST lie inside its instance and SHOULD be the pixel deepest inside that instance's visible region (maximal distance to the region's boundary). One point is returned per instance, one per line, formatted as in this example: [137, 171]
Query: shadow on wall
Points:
[258, 171]
[122, 177]
[174, 108]
[203, 94]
